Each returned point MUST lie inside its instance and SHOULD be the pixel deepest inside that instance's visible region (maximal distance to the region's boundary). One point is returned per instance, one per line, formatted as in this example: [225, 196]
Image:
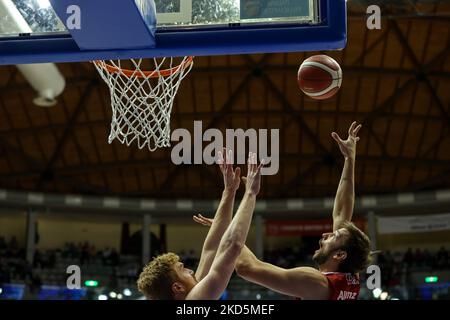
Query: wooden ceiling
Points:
[396, 82]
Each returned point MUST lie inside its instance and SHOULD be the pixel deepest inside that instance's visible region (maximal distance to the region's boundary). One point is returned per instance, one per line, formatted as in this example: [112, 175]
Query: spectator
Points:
[52, 259]
[114, 257]
[427, 258]
[418, 258]
[13, 244]
[442, 258]
[37, 259]
[2, 243]
[106, 255]
[36, 283]
[84, 253]
[191, 258]
[408, 258]
[389, 258]
[92, 251]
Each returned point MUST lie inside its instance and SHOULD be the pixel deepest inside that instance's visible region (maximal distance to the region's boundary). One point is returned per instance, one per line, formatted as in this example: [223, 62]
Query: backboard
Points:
[34, 31]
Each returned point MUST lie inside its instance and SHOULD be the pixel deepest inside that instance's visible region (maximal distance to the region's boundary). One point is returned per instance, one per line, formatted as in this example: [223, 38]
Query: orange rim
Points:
[144, 74]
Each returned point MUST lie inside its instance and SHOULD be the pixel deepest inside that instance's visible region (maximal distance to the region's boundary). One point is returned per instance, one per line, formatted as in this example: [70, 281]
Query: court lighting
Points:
[127, 292]
[91, 283]
[431, 279]
[44, 78]
[376, 293]
[102, 297]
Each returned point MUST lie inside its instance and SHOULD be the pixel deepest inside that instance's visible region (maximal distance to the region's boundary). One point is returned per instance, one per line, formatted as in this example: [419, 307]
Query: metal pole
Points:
[146, 239]
[31, 235]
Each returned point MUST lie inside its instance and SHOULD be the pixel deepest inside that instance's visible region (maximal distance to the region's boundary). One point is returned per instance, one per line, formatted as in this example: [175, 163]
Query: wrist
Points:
[228, 192]
[250, 193]
[350, 158]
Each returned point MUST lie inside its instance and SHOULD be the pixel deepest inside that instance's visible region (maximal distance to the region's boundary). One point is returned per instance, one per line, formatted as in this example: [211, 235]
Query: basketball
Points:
[319, 77]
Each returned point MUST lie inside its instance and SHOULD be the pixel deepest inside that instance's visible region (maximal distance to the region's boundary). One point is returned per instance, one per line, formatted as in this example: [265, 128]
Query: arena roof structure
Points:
[396, 83]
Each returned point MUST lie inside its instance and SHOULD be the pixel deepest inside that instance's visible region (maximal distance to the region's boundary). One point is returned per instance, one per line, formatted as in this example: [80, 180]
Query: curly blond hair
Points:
[157, 277]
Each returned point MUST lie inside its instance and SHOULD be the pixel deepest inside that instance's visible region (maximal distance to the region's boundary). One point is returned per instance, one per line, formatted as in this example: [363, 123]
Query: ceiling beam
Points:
[424, 76]
[430, 182]
[47, 173]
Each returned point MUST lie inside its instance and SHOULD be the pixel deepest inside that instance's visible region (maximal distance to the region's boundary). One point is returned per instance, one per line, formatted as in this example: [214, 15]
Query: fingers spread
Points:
[220, 158]
[230, 159]
[352, 127]
[225, 155]
[261, 165]
[336, 137]
[355, 132]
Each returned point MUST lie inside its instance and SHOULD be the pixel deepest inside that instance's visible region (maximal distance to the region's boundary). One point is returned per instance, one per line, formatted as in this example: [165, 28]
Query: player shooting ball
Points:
[341, 256]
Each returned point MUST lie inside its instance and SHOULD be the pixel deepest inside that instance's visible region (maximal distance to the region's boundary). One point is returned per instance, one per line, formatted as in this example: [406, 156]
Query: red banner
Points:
[278, 228]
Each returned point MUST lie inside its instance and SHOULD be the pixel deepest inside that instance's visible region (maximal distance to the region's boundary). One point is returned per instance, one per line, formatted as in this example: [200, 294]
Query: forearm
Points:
[345, 195]
[238, 229]
[245, 260]
[220, 224]
[216, 280]
[221, 221]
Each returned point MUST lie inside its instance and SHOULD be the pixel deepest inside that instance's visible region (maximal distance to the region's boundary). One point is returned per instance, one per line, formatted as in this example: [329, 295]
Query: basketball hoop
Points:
[141, 100]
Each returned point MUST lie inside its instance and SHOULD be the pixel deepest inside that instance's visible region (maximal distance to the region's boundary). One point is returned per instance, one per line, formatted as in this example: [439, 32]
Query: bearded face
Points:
[328, 245]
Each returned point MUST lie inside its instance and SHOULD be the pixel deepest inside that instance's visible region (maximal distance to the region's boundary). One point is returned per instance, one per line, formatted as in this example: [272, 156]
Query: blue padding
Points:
[108, 24]
[331, 34]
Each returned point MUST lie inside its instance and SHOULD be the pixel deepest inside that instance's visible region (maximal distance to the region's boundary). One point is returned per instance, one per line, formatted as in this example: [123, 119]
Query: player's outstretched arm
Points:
[231, 180]
[303, 282]
[214, 283]
[345, 195]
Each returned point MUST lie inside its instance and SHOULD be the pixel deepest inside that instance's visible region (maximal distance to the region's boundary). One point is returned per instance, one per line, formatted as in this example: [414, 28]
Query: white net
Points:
[141, 100]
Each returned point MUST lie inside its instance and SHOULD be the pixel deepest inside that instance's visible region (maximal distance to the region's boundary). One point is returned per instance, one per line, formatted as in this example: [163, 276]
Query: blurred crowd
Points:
[409, 260]
[396, 265]
[84, 252]
[189, 258]
[14, 267]
[107, 262]
[288, 257]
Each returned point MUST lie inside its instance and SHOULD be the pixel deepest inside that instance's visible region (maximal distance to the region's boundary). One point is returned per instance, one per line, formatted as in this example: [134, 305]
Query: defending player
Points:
[166, 278]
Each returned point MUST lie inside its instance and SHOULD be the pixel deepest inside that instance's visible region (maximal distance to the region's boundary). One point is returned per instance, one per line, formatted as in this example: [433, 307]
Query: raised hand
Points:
[231, 178]
[207, 222]
[348, 147]
[253, 179]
